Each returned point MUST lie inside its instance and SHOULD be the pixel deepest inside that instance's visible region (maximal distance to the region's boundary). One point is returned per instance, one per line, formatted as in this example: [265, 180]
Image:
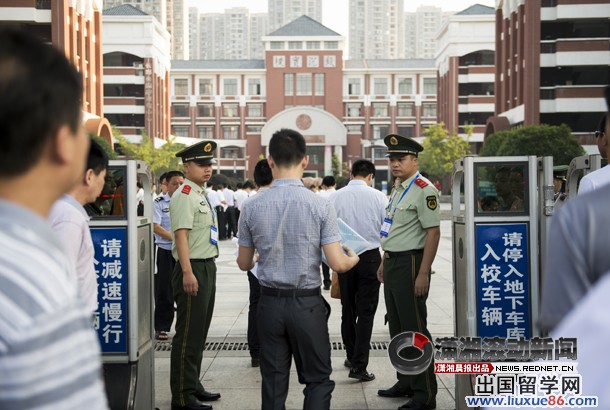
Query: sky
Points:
[334, 12]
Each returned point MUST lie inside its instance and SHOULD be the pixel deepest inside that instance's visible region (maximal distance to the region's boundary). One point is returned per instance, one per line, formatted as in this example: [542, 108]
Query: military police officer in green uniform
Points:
[195, 247]
[410, 236]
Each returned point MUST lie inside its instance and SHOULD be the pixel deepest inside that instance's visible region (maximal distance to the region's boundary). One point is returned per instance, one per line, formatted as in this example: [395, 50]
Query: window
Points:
[313, 45]
[316, 155]
[205, 86]
[405, 86]
[230, 152]
[205, 133]
[405, 109]
[430, 86]
[181, 110]
[380, 86]
[230, 86]
[277, 45]
[288, 84]
[230, 132]
[254, 86]
[380, 131]
[229, 110]
[205, 110]
[331, 45]
[303, 84]
[405, 130]
[181, 86]
[255, 110]
[354, 129]
[319, 82]
[379, 153]
[181, 131]
[256, 129]
[380, 109]
[429, 109]
[295, 45]
[353, 110]
[353, 86]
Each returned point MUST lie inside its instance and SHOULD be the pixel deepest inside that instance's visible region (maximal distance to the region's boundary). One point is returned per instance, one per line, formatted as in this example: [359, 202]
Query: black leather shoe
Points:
[415, 405]
[207, 396]
[347, 364]
[393, 391]
[196, 405]
[256, 362]
[361, 374]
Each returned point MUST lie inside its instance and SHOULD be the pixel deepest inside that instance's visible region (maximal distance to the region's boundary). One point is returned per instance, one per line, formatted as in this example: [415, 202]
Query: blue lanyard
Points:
[401, 197]
[212, 209]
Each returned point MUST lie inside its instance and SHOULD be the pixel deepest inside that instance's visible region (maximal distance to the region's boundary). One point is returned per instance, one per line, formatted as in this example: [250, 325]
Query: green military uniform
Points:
[411, 214]
[190, 209]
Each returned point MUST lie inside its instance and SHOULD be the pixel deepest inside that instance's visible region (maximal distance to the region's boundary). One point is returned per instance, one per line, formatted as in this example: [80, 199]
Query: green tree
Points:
[159, 160]
[105, 145]
[538, 140]
[441, 150]
[335, 165]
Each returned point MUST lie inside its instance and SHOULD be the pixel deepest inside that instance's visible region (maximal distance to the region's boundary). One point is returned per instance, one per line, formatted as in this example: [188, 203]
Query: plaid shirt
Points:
[288, 225]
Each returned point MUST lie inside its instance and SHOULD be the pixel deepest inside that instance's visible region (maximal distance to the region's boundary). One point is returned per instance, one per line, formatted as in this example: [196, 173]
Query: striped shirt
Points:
[362, 208]
[49, 352]
[288, 225]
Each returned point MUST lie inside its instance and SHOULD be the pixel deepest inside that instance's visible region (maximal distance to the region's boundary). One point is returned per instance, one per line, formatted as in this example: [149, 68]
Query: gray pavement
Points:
[229, 372]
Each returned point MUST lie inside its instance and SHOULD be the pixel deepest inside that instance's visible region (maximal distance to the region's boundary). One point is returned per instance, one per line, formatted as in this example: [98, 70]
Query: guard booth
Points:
[501, 207]
[579, 167]
[124, 263]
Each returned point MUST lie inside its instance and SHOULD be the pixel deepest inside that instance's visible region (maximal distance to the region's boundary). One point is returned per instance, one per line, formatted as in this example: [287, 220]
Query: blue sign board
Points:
[110, 246]
[502, 267]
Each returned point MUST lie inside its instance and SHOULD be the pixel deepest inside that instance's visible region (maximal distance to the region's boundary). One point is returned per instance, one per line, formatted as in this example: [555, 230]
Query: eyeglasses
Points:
[599, 134]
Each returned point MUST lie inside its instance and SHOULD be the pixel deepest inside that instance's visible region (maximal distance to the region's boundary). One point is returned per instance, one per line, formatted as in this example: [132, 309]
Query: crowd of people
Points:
[49, 170]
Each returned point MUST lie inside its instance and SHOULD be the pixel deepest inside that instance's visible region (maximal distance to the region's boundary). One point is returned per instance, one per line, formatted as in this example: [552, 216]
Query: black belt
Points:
[389, 254]
[284, 293]
[203, 260]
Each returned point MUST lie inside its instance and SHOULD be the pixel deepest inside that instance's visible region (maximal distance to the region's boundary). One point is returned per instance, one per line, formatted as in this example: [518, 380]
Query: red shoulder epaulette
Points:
[186, 189]
[421, 183]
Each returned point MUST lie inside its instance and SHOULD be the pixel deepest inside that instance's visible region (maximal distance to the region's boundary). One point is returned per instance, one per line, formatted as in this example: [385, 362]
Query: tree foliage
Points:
[441, 150]
[105, 146]
[335, 165]
[538, 140]
[159, 160]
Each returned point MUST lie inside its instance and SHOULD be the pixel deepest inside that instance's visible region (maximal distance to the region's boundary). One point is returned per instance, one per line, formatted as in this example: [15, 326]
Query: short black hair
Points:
[607, 95]
[170, 174]
[601, 127]
[163, 177]
[262, 173]
[239, 185]
[40, 91]
[97, 159]
[287, 147]
[363, 168]
[329, 181]
[248, 184]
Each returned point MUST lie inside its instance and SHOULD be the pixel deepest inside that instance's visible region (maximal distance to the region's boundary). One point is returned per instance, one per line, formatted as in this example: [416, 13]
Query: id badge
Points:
[385, 227]
[213, 235]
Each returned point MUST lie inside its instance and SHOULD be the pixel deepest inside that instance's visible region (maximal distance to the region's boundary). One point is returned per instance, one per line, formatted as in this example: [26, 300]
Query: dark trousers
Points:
[294, 326]
[192, 323]
[164, 298]
[237, 213]
[255, 294]
[408, 313]
[222, 222]
[326, 275]
[359, 298]
[231, 222]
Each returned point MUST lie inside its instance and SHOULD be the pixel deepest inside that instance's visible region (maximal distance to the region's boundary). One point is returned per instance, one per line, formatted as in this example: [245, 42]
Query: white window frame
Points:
[388, 83]
[222, 86]
[188, 86]
[212, 79]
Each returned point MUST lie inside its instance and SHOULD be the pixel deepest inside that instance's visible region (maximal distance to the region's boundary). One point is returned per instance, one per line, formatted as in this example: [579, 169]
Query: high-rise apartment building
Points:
[421, 29]
[233, 35]
[179, 29]
[75, 28]
[282, 12]
[259, 27]
[552, 64]
[155, 8]
[376, 29]
[194, 33]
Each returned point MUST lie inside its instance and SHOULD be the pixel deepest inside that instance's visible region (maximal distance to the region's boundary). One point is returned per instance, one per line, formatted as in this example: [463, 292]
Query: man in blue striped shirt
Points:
[49, 352]
[289, 226]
